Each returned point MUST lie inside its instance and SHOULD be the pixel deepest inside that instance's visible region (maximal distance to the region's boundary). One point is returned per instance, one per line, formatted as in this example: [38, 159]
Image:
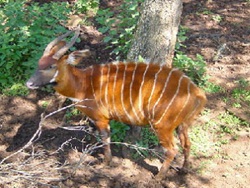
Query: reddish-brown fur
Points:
[133, 93]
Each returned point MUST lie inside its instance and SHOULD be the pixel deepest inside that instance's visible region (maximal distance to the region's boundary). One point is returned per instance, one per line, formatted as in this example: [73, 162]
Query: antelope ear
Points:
[75, 57]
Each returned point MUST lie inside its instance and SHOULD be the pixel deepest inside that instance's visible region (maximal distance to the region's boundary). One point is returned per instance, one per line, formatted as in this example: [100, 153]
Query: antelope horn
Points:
[54, 42]
[64, 49]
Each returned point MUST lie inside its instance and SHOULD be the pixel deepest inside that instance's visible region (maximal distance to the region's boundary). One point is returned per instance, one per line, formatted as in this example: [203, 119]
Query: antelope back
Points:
[139, 93]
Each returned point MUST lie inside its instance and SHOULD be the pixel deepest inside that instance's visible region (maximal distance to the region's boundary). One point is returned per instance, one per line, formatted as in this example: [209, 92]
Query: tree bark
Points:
[154, 41]
[156, 32]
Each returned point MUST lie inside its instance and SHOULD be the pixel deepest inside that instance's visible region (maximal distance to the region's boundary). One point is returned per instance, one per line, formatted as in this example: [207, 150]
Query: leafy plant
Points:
[212, 88]
[118, 131]
[44, 104]
[24, 32]
[231, 123]
[218, 18]
[205, 11]
[195, 69]
[82, 6]
[243, 83]
[16, 90]
[2, 2]
[201, 141]
[119, 29]
[71, 112]
[148, 140]
[181, 37]
[241, 94]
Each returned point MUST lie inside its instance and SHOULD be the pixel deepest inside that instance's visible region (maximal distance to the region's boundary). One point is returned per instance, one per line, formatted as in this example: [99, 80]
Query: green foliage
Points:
[119, 29]
[2, 2]
[71, 112]
[82, 6]
[243, 83]
[212, 88]
[181, 37]
[240, 96]
[16, 90]
[118, 131]
[208, 138]
[148, 140]
[204, 11]
[201, 140]
[45, 104]
[195, 69]
[218, 18]
[242, 92]
[24, 32]
[230, 123]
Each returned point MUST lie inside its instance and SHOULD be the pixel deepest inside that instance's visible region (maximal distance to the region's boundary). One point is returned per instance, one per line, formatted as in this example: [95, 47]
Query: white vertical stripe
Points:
[186, 102]
[163, 91]
[93, 90]
[140, 92]
[122, 95]
[115, 93]
[194, 110]
[92, 85]
[172, 100]
[106, 88]
[54, 77]
[101, 84]
[152, 90]
[130, 93]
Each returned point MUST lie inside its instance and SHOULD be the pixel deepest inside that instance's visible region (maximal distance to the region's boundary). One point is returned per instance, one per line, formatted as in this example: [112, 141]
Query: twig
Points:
[37, 133]
[220, 52]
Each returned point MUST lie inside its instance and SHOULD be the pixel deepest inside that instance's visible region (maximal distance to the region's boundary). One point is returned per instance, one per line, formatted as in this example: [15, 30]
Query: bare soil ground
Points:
[218, 30]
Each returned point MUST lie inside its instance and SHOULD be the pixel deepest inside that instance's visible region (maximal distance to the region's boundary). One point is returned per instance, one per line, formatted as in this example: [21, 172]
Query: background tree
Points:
[156, 32]
[155, 39]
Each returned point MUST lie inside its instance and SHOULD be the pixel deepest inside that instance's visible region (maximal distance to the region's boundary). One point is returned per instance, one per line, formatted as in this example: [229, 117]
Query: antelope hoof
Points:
[183, 170]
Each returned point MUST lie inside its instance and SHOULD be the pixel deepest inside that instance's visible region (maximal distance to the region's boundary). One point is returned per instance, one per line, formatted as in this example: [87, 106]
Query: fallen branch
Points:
[35, 136]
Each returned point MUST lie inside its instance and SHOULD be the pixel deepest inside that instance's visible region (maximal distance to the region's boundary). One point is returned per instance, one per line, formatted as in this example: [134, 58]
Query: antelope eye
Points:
[51, 67]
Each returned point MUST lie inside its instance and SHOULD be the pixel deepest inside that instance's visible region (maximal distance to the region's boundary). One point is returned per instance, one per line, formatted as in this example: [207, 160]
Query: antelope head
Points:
[54, 54]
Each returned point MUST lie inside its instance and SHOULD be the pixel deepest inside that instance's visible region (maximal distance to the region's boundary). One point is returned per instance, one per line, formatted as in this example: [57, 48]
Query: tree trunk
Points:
[156, 32]
[154, 41]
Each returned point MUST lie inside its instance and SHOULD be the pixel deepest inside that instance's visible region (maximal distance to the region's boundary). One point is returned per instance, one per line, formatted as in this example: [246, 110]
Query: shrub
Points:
[24, 32]
[82, 6]
[195, 69]
[119, 29]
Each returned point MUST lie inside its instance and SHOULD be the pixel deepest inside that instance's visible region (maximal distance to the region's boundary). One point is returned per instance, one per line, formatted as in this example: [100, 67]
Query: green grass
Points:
[71, 113]
[118, 131]
[18, 89]
[209, 137]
